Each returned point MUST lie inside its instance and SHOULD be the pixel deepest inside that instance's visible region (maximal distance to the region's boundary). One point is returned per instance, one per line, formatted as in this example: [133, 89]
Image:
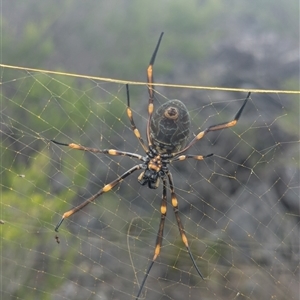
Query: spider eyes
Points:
[151, 177]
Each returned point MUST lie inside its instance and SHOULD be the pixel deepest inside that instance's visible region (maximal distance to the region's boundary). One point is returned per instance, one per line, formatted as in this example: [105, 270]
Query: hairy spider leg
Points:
[197, 157]
[150, 87]
[163, 210]
[179, 223]
[133, 126]
[105, 189]
[112, 152]
[159, 238]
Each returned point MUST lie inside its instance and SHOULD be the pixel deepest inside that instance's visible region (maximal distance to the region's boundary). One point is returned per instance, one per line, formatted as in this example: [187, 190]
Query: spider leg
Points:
[225, 125]
[112, 152]
[105, 189]
[179, 223]
[197, 157]
[163, 211]
[150, 86]
[133, 127]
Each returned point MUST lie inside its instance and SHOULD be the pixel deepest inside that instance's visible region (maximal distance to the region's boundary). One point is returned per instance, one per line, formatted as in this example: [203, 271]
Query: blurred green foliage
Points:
[107, 38]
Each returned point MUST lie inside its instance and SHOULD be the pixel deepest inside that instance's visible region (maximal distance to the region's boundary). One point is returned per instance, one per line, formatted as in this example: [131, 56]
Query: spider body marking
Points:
[167, 134]
[170, 127]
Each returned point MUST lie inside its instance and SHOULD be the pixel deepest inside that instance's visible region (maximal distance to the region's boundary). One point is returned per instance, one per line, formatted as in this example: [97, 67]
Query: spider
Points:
[167, 133]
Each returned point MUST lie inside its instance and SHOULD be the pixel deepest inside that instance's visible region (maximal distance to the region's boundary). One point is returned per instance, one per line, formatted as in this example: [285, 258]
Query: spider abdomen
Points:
[170, 127]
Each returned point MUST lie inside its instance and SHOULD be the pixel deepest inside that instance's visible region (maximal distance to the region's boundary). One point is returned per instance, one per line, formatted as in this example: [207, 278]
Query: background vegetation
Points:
[240, 208]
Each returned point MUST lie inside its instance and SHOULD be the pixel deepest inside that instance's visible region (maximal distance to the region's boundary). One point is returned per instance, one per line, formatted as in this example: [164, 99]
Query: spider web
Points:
[239, 207]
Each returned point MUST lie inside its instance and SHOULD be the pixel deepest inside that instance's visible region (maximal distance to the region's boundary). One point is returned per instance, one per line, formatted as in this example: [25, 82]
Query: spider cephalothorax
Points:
[155, 167]
[167, 133]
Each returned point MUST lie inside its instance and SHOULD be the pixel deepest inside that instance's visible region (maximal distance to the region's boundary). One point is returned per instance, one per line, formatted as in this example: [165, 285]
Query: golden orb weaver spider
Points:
[167, 133]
